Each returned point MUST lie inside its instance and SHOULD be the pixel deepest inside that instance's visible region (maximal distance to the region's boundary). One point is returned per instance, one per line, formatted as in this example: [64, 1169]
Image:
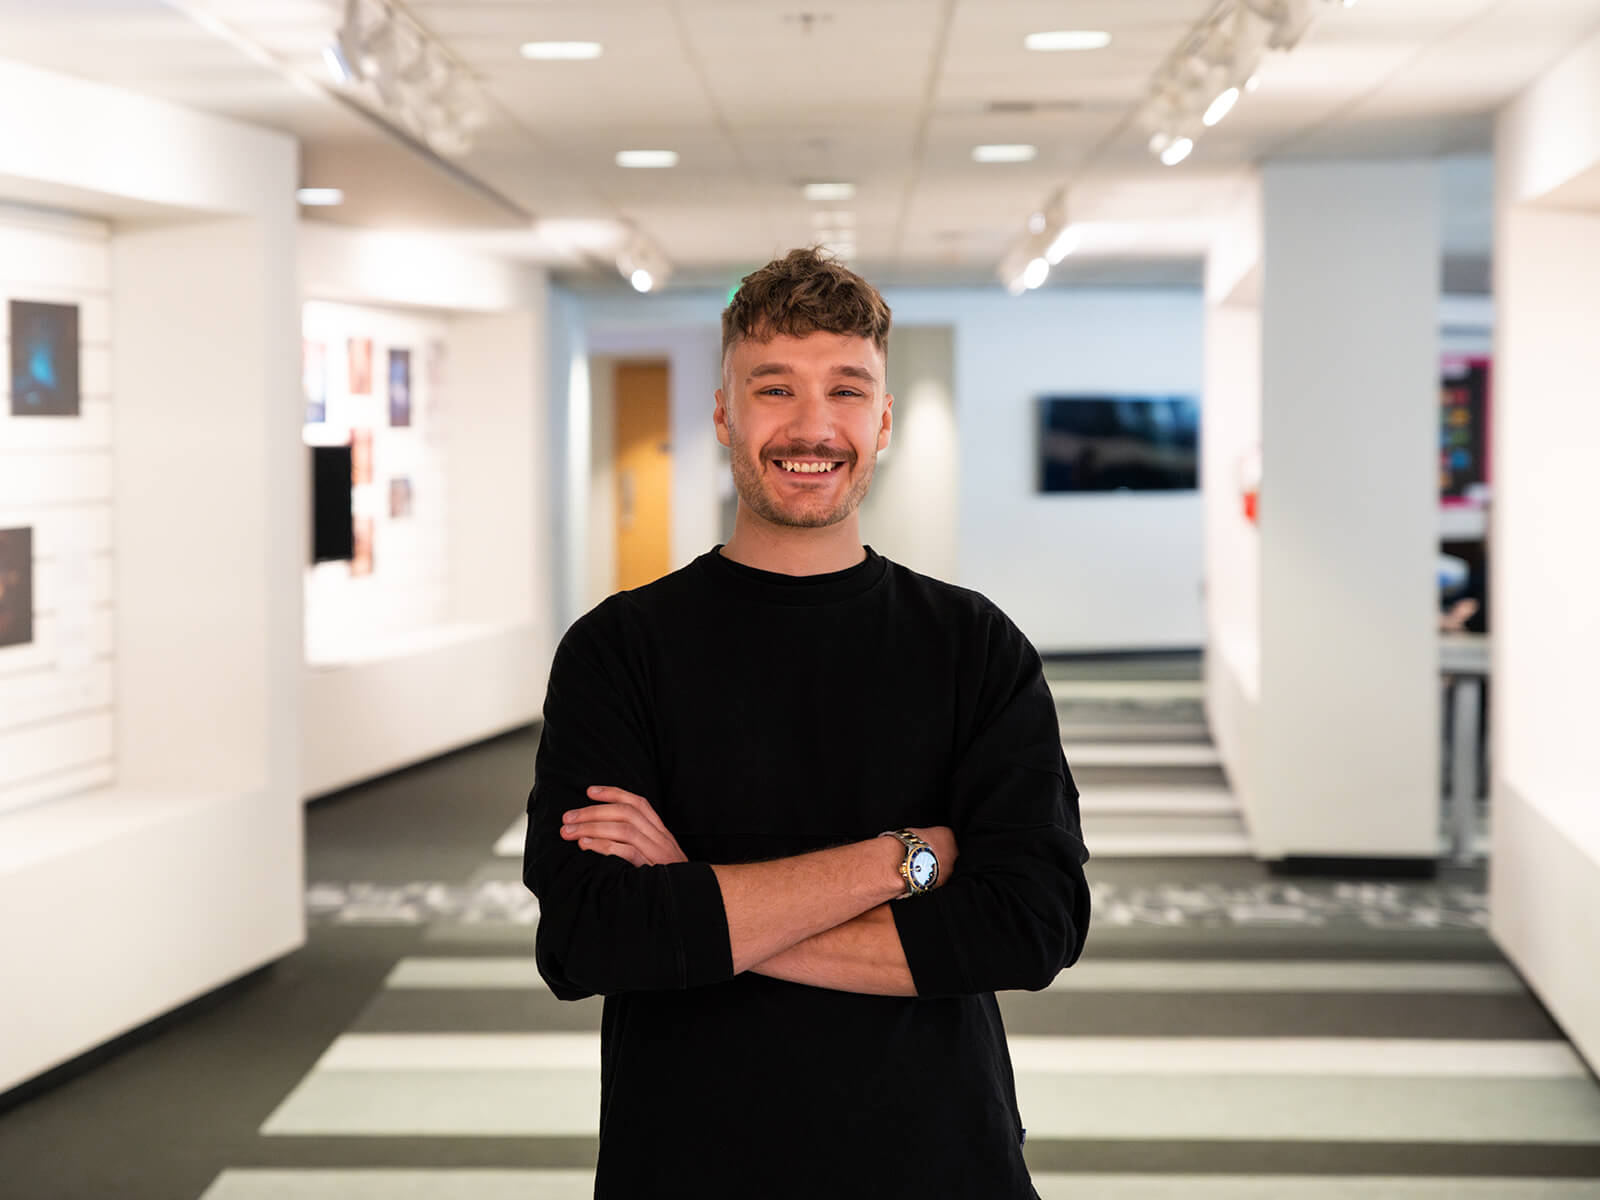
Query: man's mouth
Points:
[807, 466]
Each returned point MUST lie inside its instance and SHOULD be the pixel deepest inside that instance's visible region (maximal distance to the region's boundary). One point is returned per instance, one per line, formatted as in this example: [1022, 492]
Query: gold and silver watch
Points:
[920, 868]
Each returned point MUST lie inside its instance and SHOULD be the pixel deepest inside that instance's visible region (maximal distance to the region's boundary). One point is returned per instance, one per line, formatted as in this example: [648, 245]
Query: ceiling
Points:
[891, 95]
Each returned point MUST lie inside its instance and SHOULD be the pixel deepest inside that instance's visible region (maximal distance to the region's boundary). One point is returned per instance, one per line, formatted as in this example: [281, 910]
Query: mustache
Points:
[816, 450]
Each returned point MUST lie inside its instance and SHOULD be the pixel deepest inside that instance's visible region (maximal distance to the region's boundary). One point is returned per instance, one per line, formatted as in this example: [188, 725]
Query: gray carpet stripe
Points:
[1106, 1014]
[1167, 1156]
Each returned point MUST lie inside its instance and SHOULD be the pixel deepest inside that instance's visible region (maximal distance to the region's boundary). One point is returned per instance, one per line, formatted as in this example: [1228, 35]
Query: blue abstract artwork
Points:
[44, 359]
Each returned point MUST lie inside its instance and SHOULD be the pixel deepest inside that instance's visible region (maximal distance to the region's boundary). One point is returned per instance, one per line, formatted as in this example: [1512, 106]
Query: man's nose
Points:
[811, 417]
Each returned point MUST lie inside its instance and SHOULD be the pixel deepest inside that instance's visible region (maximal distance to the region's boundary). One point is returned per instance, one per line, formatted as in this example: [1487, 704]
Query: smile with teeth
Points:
[799, 467]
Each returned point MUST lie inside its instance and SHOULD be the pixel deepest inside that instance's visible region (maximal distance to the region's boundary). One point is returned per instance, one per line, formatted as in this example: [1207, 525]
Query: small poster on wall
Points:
[399, 387]
[360, 456]
[361, 560]
[314, 376]
[1464, 428]
[361, 366]
[44, 359]
[399, 498]
[16, 587]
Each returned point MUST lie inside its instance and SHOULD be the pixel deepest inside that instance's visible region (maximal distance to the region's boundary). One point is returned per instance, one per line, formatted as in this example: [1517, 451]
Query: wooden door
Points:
[644, 474]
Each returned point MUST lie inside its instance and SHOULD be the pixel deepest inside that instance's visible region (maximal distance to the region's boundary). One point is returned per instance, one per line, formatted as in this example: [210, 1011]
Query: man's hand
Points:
[623, 825]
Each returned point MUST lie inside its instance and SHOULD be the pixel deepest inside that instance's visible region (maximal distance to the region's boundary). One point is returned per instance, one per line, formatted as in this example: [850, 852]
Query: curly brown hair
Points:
[801, 293]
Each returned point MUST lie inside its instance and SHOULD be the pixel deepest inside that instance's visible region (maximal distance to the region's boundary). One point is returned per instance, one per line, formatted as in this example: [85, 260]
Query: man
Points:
[796, 1004]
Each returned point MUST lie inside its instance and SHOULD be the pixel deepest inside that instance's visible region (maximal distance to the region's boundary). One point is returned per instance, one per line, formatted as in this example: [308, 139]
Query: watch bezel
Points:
[910, 869]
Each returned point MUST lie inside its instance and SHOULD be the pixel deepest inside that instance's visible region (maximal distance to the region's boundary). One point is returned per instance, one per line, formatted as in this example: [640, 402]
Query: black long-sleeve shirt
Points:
[764, 716]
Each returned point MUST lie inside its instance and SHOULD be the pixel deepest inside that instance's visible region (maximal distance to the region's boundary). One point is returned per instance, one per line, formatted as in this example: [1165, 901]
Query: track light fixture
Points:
[642, 264]
[1196, 88]
[400, 69]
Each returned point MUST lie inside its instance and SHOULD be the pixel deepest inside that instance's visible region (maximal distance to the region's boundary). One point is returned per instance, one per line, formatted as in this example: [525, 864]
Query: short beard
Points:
[749, 480]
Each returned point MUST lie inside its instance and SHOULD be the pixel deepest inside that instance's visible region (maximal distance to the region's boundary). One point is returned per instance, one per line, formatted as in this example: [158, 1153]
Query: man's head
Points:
[803, 407]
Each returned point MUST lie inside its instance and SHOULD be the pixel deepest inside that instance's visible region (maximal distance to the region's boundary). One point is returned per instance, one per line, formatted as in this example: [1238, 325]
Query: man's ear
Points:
[719, 418]
[888, 422]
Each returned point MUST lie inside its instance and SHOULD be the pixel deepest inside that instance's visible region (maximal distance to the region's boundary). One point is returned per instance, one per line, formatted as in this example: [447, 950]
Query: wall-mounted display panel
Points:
[1106, 443]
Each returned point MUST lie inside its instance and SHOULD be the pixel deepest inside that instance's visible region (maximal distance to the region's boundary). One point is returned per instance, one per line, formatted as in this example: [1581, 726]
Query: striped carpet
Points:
[1226, 1035]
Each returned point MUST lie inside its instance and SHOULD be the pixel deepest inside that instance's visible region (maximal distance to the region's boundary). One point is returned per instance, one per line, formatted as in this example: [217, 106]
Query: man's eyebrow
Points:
[777, 368]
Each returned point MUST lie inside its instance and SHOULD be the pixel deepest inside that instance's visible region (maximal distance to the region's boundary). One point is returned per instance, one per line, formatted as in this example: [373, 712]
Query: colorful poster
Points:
[361, 560]
[360, 456]
[399, 498]
[1463, 428]
[399, 387]
[16, 587]
[314, 377]
[361, 366]
[44, 359]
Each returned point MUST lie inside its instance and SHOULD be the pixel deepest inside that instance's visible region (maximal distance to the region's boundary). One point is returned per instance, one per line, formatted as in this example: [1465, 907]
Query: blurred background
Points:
[1244, 354]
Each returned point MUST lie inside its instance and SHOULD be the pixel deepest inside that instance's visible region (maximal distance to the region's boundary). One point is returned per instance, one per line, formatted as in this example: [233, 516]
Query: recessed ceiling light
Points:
[830, 191]
[319, 197]
[841, 218]
[647, 158]
[1068, 39]
[1179, 150]
[560, 51]
[1004, 153]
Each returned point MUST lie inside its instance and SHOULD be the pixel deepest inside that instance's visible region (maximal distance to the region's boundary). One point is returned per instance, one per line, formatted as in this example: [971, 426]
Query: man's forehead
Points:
[847, 354]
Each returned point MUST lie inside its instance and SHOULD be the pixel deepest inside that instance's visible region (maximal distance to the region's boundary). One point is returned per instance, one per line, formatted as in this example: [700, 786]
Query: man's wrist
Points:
[894, 854]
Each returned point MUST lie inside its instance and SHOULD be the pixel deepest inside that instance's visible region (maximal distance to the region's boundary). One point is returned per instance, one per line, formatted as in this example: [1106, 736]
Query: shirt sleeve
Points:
[606, 926]
[1015, 911]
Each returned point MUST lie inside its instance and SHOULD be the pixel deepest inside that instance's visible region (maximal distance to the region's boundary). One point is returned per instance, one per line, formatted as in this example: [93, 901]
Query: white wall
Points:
[464, 608]
[1349, 510]
[57, 717]
[602, 478]
[1545, 858]
[187, 872]
[1075, 572]
[912, 513]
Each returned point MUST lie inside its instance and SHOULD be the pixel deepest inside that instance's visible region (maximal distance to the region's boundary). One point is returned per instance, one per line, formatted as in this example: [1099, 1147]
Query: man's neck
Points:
[786, 550]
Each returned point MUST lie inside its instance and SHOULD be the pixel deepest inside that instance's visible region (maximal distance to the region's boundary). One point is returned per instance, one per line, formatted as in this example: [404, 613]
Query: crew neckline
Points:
[777, 588]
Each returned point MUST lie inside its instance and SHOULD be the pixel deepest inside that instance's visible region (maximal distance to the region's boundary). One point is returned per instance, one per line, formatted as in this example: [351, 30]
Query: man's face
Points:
[804, 419]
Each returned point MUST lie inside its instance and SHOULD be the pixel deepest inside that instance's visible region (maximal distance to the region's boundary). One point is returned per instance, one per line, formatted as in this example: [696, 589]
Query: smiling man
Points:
[799, 812]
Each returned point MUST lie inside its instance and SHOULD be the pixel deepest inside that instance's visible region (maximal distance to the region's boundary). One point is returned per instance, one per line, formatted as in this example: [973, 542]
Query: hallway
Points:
[1227, 1033]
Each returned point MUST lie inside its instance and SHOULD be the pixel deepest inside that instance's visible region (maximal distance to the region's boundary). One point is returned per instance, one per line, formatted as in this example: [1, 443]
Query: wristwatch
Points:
[920, 868]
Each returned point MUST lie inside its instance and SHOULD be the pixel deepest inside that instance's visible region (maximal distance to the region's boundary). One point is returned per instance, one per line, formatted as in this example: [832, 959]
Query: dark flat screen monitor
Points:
[333, 534]
[1103, 443]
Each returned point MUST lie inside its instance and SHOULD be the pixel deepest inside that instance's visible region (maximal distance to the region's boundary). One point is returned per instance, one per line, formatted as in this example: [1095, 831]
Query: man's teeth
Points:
[806, 468]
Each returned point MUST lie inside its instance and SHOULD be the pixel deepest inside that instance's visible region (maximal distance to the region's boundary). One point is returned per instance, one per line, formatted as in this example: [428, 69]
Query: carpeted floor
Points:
[1228, 1035]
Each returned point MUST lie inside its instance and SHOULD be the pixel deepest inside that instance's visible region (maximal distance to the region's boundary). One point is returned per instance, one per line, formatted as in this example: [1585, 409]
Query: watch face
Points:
[924, 866]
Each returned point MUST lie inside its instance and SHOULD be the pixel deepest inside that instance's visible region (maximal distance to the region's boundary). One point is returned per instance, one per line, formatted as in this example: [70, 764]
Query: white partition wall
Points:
[1323, 680]
[181, 868]
[1230, 446]
[452, 601]
[1545, 527]
[57, 641]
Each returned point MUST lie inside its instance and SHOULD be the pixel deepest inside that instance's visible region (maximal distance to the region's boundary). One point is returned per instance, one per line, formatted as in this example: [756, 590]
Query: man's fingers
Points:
[615, 795]
[616, 831]
[612, 849]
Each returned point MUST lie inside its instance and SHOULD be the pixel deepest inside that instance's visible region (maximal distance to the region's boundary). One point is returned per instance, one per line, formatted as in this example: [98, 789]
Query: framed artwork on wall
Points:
[314, 376]
[360, 456]
[361, 366]
[399, 498]
[361, 560]
[44, 359]
[1464, 449]
[16, 587]
[399, 387]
